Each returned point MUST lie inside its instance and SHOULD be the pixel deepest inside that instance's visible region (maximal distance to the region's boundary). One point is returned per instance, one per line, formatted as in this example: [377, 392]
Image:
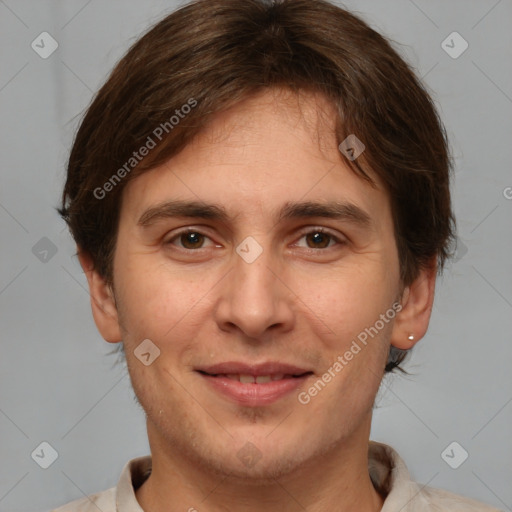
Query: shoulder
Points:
[392, 479]
[104, 501]
[132, 476]
[444, 500]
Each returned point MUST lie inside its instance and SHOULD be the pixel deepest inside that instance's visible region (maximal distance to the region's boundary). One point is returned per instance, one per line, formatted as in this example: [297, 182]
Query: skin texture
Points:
[302, 301]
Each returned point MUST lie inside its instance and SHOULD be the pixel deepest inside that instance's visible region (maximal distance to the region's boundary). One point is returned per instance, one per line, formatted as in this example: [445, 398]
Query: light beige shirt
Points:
[387, 471]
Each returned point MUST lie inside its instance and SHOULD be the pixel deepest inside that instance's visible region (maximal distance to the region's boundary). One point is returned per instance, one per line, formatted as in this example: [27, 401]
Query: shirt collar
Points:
[134, 474]
[391, 478]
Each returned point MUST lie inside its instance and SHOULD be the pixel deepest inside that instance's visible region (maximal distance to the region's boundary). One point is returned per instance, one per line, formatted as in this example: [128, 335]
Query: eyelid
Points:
[338, 238]
[184, 231]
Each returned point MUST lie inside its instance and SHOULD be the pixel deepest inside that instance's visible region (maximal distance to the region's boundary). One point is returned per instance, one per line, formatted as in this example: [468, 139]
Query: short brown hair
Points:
[214, 53]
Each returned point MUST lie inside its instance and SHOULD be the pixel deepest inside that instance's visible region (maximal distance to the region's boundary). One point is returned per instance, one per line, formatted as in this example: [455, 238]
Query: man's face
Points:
[257, 292]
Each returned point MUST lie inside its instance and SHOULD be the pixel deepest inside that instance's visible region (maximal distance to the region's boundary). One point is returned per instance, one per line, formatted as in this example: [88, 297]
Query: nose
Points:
[255, 297]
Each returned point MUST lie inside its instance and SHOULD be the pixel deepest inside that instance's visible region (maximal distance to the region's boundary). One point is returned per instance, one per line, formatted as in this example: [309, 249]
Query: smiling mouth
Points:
[256, 379]
[249, 390]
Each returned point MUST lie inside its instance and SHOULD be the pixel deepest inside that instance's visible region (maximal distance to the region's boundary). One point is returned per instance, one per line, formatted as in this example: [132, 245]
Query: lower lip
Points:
[252, 394]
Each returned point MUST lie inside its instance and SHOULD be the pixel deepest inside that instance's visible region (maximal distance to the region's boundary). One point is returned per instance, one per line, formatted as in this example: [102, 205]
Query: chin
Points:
[269, 467]
[256, 460]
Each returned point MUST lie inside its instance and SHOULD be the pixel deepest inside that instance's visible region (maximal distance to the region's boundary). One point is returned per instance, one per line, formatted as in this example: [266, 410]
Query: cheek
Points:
[345, 391]
[345, 302]
[158, 304]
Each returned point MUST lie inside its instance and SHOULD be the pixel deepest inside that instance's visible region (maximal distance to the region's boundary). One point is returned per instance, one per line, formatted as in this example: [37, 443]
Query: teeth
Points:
[260, 379]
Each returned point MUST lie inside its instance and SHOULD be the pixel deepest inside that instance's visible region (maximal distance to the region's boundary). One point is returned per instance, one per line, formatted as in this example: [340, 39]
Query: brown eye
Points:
[191, 240]
[319, 239]
[188, 240]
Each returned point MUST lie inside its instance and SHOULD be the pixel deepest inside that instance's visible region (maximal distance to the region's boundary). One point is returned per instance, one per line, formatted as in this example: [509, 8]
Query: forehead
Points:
[278, 112]
[267, 149]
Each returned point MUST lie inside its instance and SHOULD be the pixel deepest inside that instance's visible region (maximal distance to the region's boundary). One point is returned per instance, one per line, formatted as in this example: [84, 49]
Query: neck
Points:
[337, 480]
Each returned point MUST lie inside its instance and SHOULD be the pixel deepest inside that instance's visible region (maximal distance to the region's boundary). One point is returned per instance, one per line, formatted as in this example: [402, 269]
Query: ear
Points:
[104, 309]
[417, 299]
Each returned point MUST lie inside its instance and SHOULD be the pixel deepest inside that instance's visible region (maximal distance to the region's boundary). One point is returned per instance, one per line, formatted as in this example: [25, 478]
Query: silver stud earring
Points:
[411, 337]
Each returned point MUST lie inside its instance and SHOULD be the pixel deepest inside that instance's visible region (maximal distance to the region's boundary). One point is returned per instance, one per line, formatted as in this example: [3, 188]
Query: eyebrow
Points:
[338, 210]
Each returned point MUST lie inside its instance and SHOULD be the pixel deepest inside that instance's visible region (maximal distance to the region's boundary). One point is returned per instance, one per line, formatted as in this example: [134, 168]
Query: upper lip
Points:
[269, 368]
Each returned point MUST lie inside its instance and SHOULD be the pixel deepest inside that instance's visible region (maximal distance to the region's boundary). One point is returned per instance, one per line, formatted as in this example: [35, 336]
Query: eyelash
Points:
[303, 234]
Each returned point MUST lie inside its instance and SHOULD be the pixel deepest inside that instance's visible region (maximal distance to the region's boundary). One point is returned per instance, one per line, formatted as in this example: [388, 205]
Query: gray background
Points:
[57, 382]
